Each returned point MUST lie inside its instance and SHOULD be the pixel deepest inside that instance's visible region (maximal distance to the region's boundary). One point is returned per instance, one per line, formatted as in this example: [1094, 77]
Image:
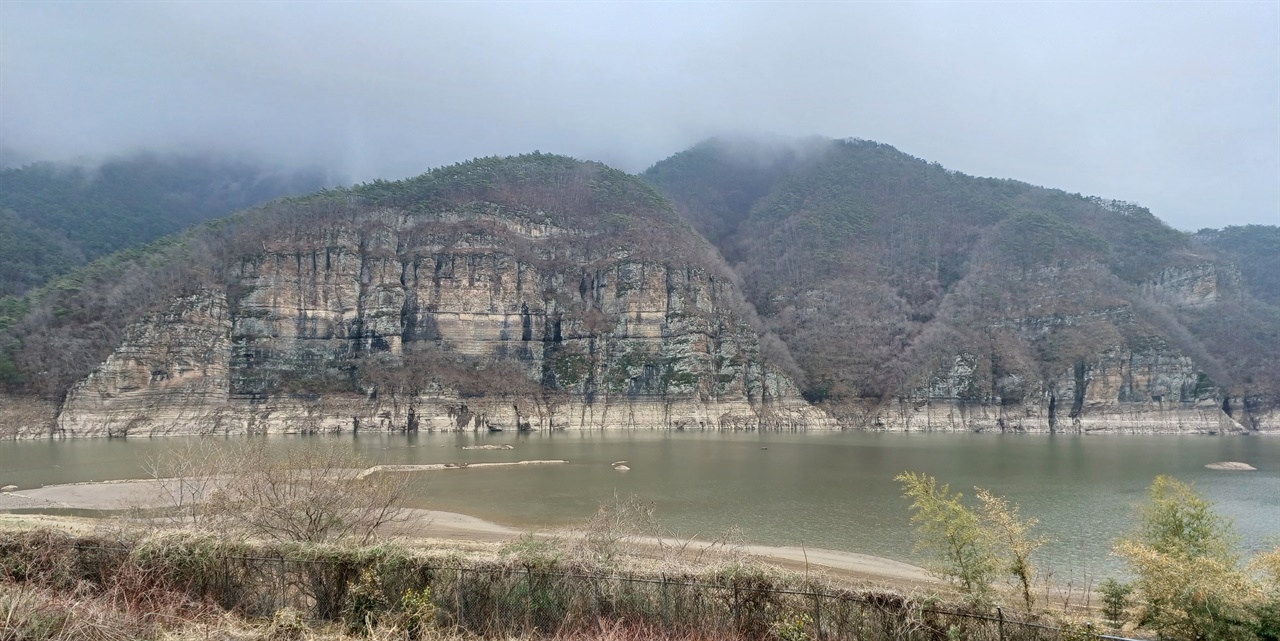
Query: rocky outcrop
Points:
[1150, 390]
[26, 417]
[1197, 286]
[671, 355]
[477, 319]
[171, 374]
[952, 415]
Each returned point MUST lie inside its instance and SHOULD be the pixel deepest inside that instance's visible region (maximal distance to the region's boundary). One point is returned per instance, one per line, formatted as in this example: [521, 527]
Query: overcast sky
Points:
[1172, 105]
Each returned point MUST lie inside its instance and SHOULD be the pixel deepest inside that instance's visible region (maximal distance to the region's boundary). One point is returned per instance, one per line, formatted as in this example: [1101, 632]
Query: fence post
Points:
[666, 609]
[737, 616]
[817, 616]
[1000, 621]
[284, 586]
[595, 584]
[457, 593]
[528, 600]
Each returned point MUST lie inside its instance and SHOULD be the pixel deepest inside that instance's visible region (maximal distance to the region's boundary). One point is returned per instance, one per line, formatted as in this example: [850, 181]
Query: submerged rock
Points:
[1232, 465]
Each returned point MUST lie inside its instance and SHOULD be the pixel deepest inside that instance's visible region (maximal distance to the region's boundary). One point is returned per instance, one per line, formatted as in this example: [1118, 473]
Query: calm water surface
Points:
[829, 490]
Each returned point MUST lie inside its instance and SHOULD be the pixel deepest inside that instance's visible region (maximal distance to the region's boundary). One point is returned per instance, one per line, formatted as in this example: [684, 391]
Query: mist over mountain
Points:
[1171, 105]
[55, 217]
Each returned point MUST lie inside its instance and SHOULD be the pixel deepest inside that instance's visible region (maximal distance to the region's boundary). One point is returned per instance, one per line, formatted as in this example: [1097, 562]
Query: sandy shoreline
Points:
[146, 493]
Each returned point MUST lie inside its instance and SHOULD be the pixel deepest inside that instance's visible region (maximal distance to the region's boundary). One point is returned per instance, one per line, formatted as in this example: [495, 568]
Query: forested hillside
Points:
[55, 217]
[889, 277]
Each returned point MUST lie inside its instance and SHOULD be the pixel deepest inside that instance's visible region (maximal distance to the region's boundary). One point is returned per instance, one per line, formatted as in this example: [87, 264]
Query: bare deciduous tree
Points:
[315, 492]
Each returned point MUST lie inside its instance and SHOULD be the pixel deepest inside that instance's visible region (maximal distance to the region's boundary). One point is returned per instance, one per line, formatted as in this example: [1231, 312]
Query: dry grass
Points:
[38, 614]
[34, 613]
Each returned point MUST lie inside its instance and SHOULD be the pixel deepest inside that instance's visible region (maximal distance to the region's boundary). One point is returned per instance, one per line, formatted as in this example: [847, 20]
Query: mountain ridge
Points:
[863, 289]
[874, 267]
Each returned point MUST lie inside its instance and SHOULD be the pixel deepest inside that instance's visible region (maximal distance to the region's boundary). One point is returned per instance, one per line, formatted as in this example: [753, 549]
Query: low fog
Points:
[1172, 105]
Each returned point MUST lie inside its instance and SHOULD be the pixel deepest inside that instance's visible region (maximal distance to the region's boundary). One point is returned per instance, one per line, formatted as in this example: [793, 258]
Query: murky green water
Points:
[830, 490]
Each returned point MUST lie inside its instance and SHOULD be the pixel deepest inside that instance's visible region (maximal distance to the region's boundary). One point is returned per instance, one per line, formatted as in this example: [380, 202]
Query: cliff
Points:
[469, 299]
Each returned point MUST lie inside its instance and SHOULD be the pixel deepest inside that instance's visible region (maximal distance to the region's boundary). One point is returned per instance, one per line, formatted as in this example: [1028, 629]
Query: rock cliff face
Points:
[1120, 374]
[469, 314]
[1197, 286]
[1152, 390]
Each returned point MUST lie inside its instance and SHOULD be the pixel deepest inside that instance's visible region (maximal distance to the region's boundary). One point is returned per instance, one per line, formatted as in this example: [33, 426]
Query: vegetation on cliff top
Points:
[560, 190]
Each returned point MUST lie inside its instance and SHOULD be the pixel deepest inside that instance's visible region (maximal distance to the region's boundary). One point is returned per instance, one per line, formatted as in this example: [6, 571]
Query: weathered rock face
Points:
[1197, 286]
[1149, 391]
[26, 417]
[171, 373]
[465, 318]
[1121, 376]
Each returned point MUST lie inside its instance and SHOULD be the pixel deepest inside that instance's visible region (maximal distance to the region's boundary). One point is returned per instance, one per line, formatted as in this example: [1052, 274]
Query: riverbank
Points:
[201, 585]
[422, 524]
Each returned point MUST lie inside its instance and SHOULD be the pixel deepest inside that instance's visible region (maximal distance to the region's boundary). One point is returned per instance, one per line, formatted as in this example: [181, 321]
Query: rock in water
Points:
[9, 488]
[622, 468]
[1232, 465]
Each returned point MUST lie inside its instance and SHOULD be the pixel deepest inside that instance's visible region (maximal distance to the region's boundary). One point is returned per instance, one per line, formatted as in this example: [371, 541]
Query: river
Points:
[828, 490]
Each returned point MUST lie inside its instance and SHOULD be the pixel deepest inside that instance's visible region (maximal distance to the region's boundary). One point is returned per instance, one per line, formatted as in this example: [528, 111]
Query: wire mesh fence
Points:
[512, 601]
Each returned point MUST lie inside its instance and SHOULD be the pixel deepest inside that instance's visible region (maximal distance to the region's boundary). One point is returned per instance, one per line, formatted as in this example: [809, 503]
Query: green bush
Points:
[1115, 599]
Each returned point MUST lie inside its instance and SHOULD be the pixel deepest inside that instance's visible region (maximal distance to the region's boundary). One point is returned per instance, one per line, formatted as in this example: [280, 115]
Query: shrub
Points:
[953, 533]
[1188, 575]
[1115, 599]
[1012, 533]
[311, 494]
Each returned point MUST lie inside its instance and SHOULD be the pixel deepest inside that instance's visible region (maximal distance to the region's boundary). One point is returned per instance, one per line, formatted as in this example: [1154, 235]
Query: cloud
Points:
[1170, 105]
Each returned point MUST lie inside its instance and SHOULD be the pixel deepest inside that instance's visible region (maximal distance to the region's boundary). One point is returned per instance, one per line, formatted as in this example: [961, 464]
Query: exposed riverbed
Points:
[824, 490]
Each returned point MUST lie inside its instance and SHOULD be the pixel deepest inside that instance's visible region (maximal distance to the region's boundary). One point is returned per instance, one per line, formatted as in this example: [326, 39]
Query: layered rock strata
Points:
[1139, 384]
[584, 339]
